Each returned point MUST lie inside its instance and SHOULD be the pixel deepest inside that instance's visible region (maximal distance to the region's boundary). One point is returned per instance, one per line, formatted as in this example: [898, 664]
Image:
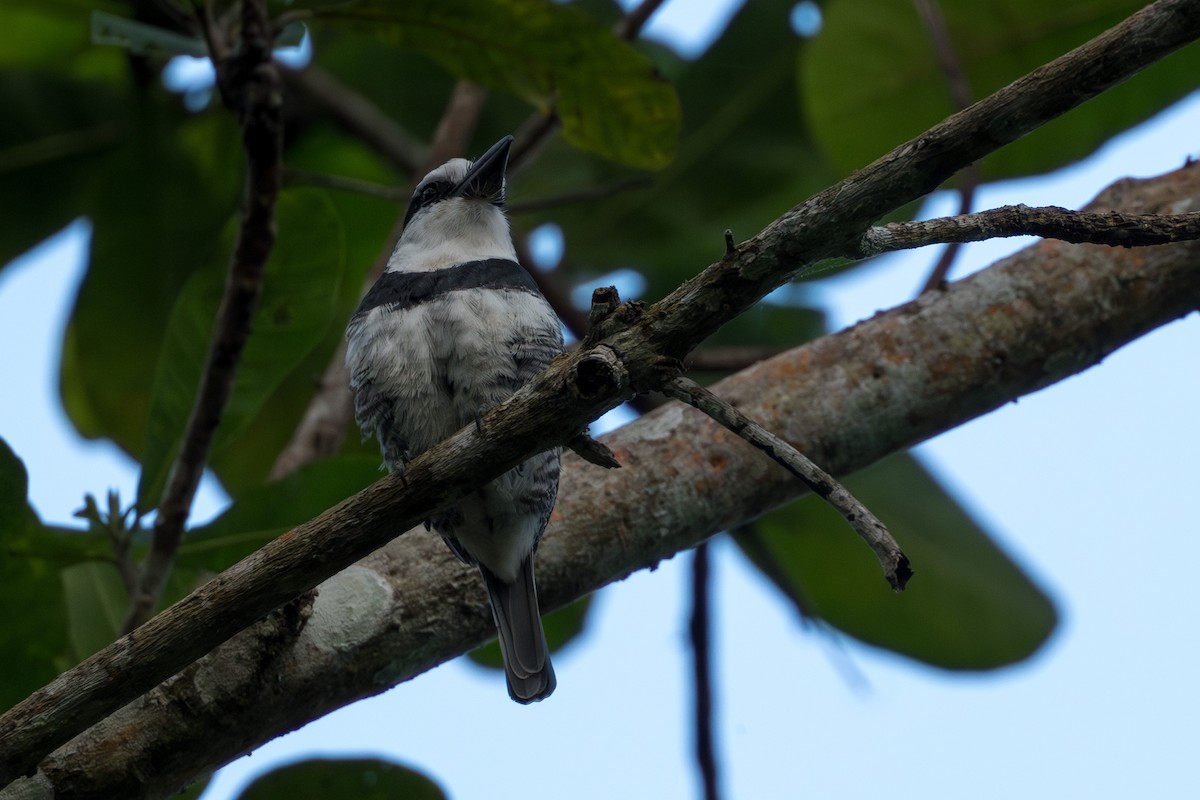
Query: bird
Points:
[453, 327]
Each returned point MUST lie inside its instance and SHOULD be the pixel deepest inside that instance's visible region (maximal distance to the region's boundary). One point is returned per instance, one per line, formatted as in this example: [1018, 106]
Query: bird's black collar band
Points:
[402, 290]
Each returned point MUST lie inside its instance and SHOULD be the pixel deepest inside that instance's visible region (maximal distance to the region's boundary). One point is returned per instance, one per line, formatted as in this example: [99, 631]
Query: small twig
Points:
[121, 533]
[605, 302]
[895, 564]
[960, 96]
[453, 133]
[593, 451]
[250, 86]
[117, 527]
[947, 57]
[699, 627]
[966, 201]
[1111, 228]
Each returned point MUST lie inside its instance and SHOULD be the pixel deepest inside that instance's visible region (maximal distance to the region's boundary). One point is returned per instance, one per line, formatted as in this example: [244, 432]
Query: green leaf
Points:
[744, 158]
[871, 79]
[361, 779]
[142, 39]
[968, 606]
[300, 290]
[158, 205]
[245, 461]
[609, 97]
[65, 105]
[96, 601]
[264, 512]
[561, 626]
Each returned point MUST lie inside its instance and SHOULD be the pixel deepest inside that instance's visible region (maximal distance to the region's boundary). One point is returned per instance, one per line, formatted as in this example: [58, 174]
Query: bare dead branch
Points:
[948, 61]
[1111, 228]
[895, 564]
[250, 86]
[593, 451]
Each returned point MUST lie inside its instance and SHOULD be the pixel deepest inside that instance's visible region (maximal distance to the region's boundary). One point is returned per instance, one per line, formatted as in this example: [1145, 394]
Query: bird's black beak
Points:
[485, 178]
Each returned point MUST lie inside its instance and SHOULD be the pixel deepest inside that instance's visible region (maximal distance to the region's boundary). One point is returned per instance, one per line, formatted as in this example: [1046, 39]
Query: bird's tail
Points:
[522, 640]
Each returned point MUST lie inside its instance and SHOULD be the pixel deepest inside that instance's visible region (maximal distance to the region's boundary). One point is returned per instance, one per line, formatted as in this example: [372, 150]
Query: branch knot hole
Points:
[598, 373]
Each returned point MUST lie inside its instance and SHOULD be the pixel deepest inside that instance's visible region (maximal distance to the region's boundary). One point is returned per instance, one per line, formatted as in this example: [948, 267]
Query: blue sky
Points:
[1107, 709]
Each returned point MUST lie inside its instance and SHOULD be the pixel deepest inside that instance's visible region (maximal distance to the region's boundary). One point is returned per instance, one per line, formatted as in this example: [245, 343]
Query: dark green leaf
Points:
[63, 112]
[142, 39]
[51, 34]
[159, 204]
[301, 286]
[562, 626]
[968, 606]
[871, 79]
[361, 779]
[63, 106]
[14, 486]
[608, 96]
[96, 601]
[744, 158]
[264, 512]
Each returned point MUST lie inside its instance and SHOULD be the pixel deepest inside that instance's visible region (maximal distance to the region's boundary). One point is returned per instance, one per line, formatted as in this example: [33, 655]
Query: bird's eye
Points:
[431, 193]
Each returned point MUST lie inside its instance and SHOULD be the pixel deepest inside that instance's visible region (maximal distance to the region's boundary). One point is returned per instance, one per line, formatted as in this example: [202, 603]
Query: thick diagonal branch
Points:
[579, 387]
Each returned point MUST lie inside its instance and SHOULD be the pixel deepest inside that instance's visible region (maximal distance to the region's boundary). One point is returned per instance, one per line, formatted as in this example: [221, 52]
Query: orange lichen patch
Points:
[718, 460]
